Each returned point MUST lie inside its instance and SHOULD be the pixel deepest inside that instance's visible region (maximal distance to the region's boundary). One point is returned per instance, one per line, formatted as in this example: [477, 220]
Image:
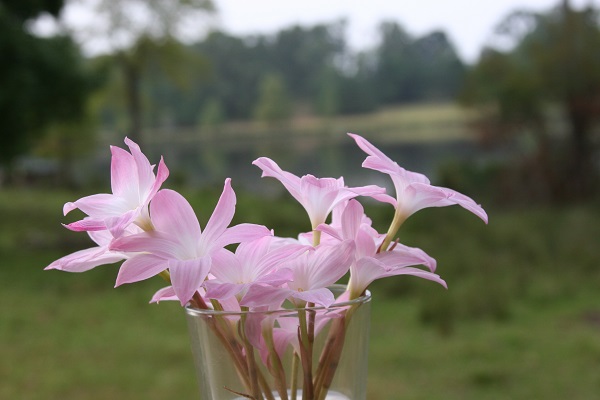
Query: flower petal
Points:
[237, 234]
[290, 181]
[84, 260]
[157, 243]
[220, 218]
[433, 196]
[166, 293]
[173, 215]
[187, 276]
[139, 268]
[123, 172]
[321, 296]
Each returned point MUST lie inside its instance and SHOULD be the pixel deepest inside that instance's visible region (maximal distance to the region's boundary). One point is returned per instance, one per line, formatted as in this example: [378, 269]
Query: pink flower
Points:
[413, 190]
[133, 185]
[312, 271]
[254, 262]
[179, 245]
[318, 196]
[369, 264]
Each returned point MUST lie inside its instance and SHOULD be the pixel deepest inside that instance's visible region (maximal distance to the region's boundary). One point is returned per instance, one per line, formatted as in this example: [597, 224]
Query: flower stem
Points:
[399, 218]
[251, 362]
[306, 357]
[316, 237]
[294, 384]
[276, 367]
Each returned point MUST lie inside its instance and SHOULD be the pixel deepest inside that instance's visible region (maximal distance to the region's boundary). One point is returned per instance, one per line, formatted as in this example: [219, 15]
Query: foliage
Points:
[552, 70]
[43, 80]
[416, 69]
[273, 103]
[316, 67]
[143, 35]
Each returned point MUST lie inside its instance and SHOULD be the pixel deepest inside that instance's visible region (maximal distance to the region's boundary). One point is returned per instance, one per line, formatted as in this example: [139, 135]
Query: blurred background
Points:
[500, 101]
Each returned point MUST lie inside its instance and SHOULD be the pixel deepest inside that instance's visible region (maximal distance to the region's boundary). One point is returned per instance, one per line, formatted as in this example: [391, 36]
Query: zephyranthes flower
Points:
[133, 186]
[413, 190]
[318, 196]
[179, 245]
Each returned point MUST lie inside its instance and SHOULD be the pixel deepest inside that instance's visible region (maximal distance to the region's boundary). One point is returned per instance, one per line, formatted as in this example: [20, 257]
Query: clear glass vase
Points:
[311, 353]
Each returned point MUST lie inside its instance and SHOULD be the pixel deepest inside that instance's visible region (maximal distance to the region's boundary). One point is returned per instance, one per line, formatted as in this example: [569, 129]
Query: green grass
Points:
[521, 318]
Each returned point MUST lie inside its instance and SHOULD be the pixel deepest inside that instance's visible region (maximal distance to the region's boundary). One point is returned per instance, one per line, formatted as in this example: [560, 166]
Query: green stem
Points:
[398, 220]
[276, 367]
[307, 388]
[316, 237]
[294, 384]
[251, 362]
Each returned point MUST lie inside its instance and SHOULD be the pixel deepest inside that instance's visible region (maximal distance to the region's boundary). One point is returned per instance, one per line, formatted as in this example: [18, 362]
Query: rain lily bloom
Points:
[413, 190]
[312, 272]
[133, 185]
[254, 262]
[318, 196]
[179, 245]
[371, 264]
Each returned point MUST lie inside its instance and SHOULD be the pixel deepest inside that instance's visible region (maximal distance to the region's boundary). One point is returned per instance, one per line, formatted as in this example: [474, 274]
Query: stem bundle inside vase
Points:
[280, 368]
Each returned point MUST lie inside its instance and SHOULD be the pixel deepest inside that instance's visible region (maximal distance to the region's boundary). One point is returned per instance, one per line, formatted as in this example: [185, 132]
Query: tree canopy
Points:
[42, 80]
[552, 72]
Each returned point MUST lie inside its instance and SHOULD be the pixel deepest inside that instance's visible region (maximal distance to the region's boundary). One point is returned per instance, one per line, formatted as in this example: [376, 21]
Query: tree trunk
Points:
[132, 77]
[580, 172]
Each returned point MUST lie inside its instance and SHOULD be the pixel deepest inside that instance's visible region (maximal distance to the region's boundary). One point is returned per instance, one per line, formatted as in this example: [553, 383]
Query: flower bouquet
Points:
[266, 319]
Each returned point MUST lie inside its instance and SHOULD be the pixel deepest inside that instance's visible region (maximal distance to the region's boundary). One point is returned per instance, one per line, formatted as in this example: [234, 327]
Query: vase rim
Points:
[337, 289]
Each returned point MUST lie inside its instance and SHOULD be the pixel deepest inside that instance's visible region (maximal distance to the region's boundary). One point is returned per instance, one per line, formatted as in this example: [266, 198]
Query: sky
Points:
[468, 23]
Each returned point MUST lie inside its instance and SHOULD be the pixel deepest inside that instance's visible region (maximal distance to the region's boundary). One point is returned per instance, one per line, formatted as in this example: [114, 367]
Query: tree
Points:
[273, 103]
[416, 69]
[554, 65]
[141, 34]
[42, 80]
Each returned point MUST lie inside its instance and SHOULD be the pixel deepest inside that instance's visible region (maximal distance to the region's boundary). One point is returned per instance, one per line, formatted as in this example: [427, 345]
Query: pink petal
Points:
[365, 244]
[117, 225]
[164, 294]
[144, 174]
[328, 264]
[367, 147]
[237, 234]
[187, 276]
[226, 267]
[290, 181]
[402, 256]
[173, 215]
[85, 260]
[220, 218]
[86, 224]
[264, 295]
[329, 230]
[322, 296]
[123, 172]
[139, 268]
[277, 278]
[161, 175]
[154, 242]
[352, 219]
[100, 205]
[222, 290]
[433, 196]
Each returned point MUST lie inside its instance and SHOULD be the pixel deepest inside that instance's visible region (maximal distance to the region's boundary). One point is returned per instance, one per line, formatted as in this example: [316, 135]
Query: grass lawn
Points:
[521, 318]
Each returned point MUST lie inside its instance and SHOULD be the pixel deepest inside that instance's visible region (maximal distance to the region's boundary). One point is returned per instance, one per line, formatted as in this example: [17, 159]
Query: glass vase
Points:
[310, 353]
